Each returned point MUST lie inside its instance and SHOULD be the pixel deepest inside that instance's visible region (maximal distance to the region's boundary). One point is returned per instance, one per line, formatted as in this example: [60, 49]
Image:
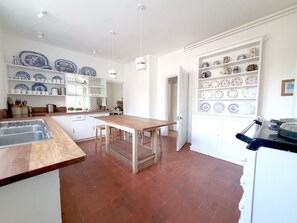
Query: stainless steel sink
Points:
[23, 131]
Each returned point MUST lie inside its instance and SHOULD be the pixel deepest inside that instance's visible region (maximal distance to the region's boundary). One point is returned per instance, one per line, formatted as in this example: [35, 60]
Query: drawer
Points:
[78, 118]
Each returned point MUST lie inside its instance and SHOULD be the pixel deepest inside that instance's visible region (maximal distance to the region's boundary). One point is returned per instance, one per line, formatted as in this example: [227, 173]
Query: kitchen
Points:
[278, 61]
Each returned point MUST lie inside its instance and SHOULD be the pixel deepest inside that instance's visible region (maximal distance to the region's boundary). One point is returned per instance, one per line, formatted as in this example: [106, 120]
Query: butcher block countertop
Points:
[24, 161]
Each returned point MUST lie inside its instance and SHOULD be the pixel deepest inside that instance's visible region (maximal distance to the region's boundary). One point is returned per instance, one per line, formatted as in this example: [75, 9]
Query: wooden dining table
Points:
[138, 154]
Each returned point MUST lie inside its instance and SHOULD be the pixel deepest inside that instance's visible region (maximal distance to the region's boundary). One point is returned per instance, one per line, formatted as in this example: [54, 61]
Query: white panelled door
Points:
[182, 107]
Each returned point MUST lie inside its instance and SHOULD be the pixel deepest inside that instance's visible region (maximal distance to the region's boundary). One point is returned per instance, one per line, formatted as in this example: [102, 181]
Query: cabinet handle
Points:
[73, 131]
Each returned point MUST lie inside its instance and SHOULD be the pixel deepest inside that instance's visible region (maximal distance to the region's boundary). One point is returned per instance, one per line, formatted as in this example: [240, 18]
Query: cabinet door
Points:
[64, 122]
[81, 128]
[230, 148]
[205, 134]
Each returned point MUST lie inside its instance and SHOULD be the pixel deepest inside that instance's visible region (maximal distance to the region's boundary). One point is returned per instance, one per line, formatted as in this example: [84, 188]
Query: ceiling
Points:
[168, 25]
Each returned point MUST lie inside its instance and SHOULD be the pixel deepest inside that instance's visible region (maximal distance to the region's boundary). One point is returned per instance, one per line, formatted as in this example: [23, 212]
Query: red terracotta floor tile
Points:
[183, 187]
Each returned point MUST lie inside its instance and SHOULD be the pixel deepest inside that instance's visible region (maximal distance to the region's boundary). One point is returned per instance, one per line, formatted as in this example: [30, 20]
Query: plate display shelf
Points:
[228, 80]
[30, 77]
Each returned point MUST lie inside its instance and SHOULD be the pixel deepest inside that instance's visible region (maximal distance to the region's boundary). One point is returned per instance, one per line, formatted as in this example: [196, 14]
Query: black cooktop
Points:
[266, 137]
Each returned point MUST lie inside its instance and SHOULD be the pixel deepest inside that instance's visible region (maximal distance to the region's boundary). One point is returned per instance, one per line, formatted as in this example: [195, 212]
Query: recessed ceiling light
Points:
[40, 14]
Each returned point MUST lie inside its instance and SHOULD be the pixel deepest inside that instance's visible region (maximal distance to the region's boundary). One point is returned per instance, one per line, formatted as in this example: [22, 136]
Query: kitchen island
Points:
[29, 177]
[138, 156]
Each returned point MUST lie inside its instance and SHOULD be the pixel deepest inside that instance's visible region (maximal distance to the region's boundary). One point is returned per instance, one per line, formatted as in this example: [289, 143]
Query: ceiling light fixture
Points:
[112, 72]
[40, 14]
[140, 61]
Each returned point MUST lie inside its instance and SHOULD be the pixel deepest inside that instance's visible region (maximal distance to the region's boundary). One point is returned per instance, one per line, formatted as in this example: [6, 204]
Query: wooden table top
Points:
[134, 122]
[24, 161]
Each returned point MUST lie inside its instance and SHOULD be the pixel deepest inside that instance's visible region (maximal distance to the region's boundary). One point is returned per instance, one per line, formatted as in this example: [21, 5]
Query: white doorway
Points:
[177, 106]
[172, 105]
[114, 92]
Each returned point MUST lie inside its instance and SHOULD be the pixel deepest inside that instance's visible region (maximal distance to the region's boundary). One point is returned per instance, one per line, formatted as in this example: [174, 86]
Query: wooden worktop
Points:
[134, 122]
[24, 161]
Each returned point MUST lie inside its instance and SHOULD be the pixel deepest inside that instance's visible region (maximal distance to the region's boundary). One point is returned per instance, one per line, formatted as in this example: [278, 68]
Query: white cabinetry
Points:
[205, 130]
[215, 136]
[227, 99]
[81, 126]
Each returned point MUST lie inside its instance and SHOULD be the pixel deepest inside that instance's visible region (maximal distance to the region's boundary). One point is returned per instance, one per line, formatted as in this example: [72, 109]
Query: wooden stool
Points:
[151, 133]
[101, 128]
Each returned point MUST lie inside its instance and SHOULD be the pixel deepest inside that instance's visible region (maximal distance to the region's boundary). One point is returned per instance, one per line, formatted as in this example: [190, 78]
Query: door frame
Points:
[117, 82]
[165, 129]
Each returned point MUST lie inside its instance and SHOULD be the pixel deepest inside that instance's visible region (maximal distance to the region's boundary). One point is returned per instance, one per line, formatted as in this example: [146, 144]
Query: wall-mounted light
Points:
[40, 14]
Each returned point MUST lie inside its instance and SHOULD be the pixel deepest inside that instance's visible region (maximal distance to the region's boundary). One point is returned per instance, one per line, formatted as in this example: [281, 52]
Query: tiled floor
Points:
[183, 187]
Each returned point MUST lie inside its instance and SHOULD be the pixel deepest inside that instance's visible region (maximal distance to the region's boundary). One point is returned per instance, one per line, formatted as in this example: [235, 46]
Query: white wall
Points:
[3, 85]
[153, 89]
[13, 45]
[136, 91]
[278, 63]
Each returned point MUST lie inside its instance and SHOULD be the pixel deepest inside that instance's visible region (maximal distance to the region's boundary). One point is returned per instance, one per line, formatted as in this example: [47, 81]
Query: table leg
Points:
[126, 137]
[154, 144]
[134, 151]
[107, 137]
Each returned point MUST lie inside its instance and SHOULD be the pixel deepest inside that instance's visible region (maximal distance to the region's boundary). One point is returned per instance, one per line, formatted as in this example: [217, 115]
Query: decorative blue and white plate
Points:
[39, 77]
[219, 107]
[23, 75]
[233, 108]
[22, 87]
[56, 78]
[39, 87]
[205, 107]
[88, 71]
[31, 58]
[65, 66]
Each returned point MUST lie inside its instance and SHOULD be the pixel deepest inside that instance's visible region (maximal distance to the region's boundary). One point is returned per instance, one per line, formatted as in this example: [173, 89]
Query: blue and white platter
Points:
[65, 66]
[34, 59]
[39, 77]
[23, 75]
[56, 78]
[88, 71]
[39, 87]
[22, 87]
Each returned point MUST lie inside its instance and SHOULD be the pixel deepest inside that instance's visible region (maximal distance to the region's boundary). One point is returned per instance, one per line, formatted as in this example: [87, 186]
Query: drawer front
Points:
[78, 118]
